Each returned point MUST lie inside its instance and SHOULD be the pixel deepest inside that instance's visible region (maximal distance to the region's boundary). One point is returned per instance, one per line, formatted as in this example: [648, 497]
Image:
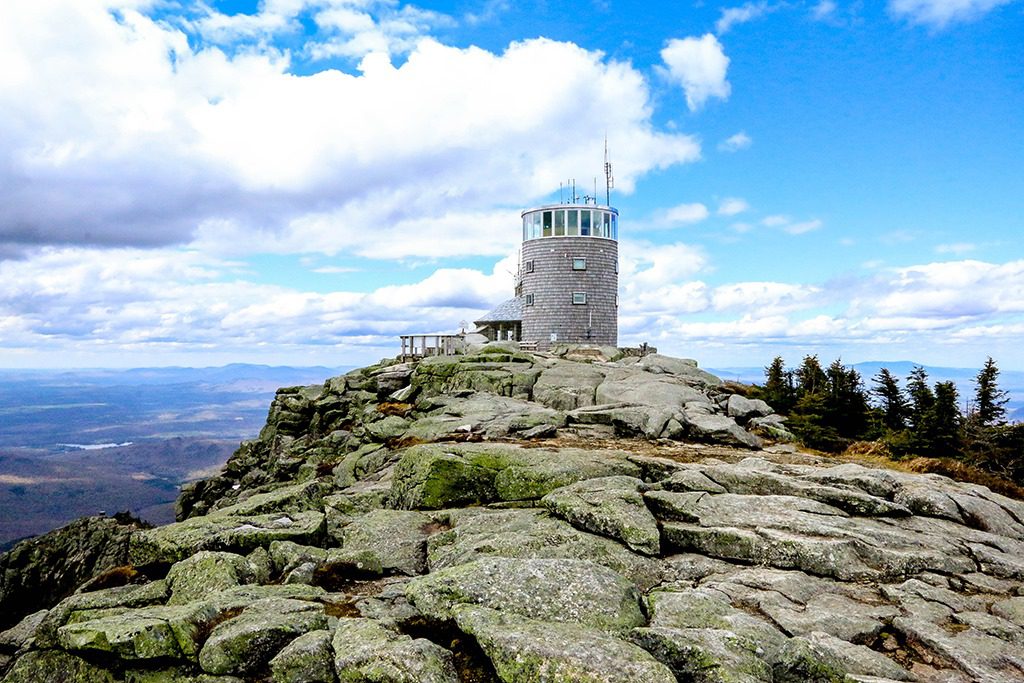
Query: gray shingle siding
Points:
[553, 282]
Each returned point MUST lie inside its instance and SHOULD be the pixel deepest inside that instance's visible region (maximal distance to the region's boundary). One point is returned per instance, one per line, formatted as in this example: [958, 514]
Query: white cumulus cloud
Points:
[699, 66]
[119, 129]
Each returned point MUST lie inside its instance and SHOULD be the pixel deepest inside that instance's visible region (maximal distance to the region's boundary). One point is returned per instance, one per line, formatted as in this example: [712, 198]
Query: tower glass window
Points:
[579, 298]
[579, 264]
[571, 221]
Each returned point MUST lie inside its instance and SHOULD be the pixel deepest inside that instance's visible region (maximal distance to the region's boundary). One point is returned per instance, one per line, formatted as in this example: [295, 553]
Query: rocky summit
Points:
[576, 516]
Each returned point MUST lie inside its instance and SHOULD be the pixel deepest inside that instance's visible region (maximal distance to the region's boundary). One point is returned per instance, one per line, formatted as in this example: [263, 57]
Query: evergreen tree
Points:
[989, 399]
[778, 386]
[811, 379]
[921, 399]
[944, 420]
[846, 403]
[895, 408]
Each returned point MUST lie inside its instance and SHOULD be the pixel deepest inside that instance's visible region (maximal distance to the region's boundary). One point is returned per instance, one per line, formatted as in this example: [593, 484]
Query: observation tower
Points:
[569, 275]
[568, 280]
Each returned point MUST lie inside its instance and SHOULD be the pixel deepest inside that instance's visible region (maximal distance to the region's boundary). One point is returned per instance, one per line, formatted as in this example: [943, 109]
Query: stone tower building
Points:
[567, 285]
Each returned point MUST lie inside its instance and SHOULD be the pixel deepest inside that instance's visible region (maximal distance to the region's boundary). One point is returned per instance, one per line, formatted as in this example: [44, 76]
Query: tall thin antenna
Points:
[609, 179]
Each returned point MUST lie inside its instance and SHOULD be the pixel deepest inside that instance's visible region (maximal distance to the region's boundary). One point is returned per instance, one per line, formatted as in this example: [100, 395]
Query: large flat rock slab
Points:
[556, 590]
[433, 476]
[528, 651]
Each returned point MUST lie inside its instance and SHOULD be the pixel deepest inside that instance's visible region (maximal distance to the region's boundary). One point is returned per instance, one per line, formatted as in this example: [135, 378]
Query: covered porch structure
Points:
[504, 323]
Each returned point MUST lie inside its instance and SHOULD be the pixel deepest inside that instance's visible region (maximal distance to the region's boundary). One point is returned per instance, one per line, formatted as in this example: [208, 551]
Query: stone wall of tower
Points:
[552, 282]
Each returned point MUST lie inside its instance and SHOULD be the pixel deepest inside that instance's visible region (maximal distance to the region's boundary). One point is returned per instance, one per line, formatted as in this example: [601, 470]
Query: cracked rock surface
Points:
[518, 517]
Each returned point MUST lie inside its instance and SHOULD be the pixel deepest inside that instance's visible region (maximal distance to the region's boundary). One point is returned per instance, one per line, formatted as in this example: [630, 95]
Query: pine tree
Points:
[811, 379]
[989, 399]
[921, 398]
[778, 386]
[895, 408]
[944, 420]
[846, 404]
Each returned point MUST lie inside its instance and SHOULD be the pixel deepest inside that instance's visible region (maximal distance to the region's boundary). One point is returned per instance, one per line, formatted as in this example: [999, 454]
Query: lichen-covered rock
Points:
[131, 635]
[647, 389]
[41, 571]
[685, 369]
[689, 616]
[249, 641]
[742, 408]
[54, 666]
[705, 426]
[531, 534]
[307, 659]
[307, 495]
[792, 532]
[80, 607]
[754, 476]
[610, 506]
[196, 576]
[704, 655]
[175, 542]
[821, 658]
[21, 634]
[1011, 609]
[367, 651]
[395, 540]
[528, 651]
[567, 386]
[182, 674]
[570, 591]
[435, 476]
[483, 415]
[982, 656]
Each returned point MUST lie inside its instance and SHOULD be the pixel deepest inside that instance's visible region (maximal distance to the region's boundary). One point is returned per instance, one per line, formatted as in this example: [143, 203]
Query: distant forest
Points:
[830, 409]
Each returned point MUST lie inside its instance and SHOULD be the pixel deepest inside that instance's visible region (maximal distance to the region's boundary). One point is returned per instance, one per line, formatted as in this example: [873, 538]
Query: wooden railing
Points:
[416, 346]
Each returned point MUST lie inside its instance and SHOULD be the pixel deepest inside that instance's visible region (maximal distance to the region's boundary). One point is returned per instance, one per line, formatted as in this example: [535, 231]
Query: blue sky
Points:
[299, 181]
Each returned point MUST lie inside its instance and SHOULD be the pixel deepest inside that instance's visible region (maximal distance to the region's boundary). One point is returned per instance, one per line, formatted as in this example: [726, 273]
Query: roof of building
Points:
[509, 311]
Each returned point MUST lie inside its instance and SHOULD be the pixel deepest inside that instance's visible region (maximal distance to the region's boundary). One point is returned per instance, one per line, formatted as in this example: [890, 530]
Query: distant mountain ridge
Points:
[175, 424]
[232, 372]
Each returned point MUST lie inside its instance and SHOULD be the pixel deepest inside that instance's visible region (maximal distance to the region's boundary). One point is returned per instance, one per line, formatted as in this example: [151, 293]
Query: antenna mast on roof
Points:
[609, 180]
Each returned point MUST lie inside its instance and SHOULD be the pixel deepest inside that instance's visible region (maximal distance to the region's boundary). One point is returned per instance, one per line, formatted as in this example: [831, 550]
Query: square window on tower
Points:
[579, 264]
[579, 297]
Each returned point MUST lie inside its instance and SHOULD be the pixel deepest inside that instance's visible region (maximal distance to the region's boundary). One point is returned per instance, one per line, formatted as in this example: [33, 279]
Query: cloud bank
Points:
[146, 135]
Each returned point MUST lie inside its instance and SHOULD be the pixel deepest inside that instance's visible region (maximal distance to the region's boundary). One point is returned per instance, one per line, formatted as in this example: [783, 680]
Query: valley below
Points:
[84, 442]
